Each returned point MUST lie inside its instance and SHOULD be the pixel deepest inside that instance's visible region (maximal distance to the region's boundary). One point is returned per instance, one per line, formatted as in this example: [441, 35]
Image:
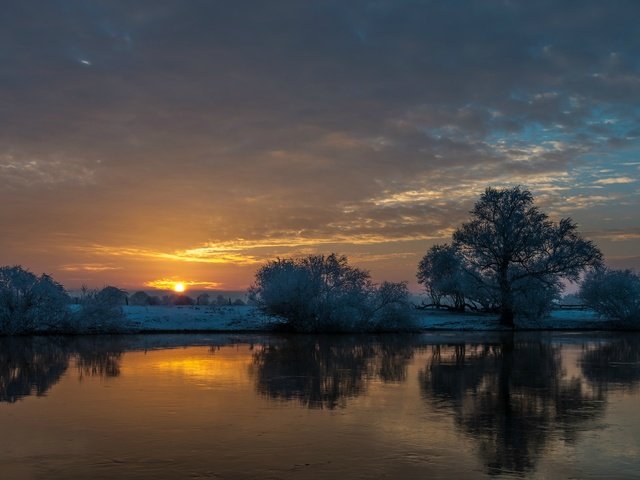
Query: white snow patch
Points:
[249, 318]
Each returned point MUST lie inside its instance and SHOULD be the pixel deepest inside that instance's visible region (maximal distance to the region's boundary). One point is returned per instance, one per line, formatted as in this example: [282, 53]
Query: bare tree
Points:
[509, 243]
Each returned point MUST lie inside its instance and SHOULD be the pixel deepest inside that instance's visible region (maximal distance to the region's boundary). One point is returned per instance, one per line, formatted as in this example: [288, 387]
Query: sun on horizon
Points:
[179, 287]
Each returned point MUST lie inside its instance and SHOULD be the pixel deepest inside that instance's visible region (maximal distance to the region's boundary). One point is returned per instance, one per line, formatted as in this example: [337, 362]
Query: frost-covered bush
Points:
[391, 309]
[29, 303]
[100, 311]
[614, 294]
[324, 293]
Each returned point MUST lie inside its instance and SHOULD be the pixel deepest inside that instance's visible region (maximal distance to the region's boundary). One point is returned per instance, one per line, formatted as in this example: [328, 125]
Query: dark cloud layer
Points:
[365, 126]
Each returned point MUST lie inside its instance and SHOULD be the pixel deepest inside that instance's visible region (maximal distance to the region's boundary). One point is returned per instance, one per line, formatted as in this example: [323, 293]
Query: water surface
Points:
[393, 406]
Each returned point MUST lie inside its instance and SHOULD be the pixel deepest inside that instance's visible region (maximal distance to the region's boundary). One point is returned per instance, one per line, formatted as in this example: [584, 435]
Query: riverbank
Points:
[250, 319]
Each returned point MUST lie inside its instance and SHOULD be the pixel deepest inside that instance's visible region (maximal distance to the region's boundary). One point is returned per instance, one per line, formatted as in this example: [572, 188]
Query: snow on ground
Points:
[197, 318]
[558, 320]
[247, 318]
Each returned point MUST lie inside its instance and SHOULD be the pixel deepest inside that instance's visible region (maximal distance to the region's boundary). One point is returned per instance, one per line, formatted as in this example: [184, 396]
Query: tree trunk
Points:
[506, 301]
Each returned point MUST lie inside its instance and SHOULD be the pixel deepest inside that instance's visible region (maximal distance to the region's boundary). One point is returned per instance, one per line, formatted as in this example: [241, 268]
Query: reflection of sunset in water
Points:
[318, 407]
[202, 365]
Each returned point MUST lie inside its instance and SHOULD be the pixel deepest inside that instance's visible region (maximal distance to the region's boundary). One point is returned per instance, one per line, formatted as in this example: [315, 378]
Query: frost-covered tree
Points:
[614, 294]
[442, 274]
[140, 299]
[509, 243]
[202, 299]
[221, 301]
[325, 293]
[30, 303]
[113, 295]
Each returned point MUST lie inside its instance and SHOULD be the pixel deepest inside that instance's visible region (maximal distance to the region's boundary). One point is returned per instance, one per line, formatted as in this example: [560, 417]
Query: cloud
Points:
[88, 267]
[615, 181]
[223, 133]
[169, 284]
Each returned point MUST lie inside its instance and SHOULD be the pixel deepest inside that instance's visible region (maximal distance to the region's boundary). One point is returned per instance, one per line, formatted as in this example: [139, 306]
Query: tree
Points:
[182, 300]
[441, 272]
[509, 243]
[112, 295]
[220, 300]
[140, 299]
[202, 299]
[614, 294]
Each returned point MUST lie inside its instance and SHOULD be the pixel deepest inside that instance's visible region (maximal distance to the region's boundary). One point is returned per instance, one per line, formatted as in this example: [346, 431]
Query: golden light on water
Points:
[179, 287]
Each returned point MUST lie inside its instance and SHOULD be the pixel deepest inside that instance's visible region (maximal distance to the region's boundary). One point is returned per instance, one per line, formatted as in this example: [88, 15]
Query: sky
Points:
[154, 141]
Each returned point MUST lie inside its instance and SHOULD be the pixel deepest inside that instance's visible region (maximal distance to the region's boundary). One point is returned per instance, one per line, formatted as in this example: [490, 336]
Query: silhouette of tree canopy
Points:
[509, 397]
[323, 372]
[140, 298]
[513, 248]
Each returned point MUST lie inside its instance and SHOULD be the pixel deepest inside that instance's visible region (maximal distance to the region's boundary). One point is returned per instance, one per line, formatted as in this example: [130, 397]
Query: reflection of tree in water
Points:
[510, 397]
[614, 365]
[32, 365]
[324, 371]
[98, 356]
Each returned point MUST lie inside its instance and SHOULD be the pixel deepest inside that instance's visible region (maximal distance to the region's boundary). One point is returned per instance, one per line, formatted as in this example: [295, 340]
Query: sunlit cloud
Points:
[88, 267]
[615, 181]
[197, 255]
[170, 284]
[618, 235]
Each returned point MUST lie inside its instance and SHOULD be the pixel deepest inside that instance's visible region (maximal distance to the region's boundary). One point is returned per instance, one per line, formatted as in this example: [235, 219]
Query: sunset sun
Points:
[179, 287]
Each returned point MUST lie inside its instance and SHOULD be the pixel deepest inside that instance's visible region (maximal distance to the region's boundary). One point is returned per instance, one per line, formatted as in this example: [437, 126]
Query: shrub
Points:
[100, 311]
[614, 294]
[533, 298]
[29, 303]
[324, 293]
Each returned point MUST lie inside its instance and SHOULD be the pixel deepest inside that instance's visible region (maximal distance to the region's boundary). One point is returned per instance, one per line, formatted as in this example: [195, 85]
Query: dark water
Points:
[420, 406]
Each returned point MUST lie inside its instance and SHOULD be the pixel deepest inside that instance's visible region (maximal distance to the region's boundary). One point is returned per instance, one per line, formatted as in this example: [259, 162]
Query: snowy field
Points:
[249, 319]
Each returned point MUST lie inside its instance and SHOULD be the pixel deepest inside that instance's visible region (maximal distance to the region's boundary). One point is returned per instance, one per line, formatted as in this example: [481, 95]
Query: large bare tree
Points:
[513, 247]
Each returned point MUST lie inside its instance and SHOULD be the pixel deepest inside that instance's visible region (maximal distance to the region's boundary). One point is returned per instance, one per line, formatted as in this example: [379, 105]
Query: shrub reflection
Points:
[32, 365]
[613, 365]
[325, 371]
